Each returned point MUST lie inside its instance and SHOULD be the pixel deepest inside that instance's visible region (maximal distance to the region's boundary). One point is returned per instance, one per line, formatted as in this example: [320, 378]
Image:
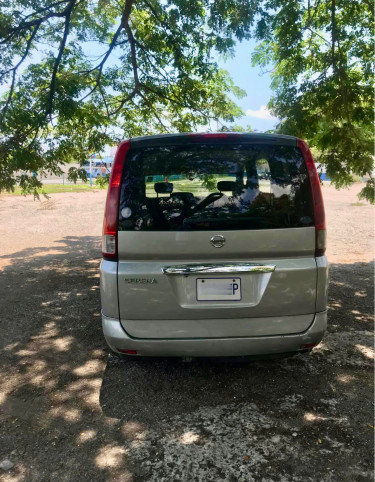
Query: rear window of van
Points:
[215, 186]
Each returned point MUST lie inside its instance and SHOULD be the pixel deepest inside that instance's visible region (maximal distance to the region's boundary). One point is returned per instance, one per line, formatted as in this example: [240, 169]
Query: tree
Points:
[321, 53]
[236, 128]
[152, 71]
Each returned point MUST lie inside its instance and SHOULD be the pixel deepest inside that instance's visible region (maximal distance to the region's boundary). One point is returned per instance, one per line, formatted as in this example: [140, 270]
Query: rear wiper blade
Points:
[206, 202]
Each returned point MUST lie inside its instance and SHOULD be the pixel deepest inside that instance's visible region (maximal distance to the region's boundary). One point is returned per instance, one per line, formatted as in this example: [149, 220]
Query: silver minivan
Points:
[213, 245]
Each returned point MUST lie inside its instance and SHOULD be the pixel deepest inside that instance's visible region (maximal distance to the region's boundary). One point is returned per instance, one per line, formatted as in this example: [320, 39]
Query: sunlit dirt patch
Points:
[63, 343]
[130, 429]
[68, 414]
[366, 351]
[189, 438]
[17, 474]
[11, 346]
[84, 390]
[361, 294]
[86, 435]
[317, 418]
[110, 456]
[345, 378]
[91, 367]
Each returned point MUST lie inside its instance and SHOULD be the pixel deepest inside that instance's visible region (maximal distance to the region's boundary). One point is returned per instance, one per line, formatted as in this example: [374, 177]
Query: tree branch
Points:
[175, 101]
[153, 64]
[333, 33]
[133, 53]
[68, 13]
[318, 35]
[14, 69]
[154, 111]
[159, 19]
[124, 24]
[102, 93]
[111, 46]
[32, 23]
[48, 7]
[28, 45]
[124, 101]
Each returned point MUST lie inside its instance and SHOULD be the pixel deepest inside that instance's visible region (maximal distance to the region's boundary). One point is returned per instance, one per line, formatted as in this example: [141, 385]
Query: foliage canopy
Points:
[152, 71]
[321, 53]
[79, 74]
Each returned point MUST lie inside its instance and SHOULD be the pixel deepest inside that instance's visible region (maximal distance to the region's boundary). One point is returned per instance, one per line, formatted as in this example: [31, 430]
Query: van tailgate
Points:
[148, 293]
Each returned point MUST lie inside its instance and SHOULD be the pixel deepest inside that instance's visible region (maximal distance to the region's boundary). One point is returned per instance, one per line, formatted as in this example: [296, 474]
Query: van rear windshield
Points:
[213, 186]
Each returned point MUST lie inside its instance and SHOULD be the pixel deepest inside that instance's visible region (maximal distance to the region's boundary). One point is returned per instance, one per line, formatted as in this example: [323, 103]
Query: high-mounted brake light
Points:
[109, 239]
[319, 216]
[214, 135]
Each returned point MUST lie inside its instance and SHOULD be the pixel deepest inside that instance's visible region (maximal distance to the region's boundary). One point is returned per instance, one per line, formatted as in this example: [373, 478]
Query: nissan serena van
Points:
[213, 245]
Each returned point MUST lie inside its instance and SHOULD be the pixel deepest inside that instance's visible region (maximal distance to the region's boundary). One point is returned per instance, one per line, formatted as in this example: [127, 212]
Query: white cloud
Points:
[261, 113]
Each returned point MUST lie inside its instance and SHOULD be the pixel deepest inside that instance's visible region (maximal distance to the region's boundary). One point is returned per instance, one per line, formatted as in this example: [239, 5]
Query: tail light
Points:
[127, 352]
[319, 216]
[307, 346]
[109, 239]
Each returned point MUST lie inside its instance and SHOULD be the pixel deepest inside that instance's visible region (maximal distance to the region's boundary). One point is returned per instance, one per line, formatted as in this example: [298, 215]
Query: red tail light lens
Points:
[319, 215]
[307, 346]
[127, 352]
[109, 239]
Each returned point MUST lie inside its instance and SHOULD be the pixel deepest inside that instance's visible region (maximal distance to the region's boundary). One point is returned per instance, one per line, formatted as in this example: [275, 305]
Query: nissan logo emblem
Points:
[217, 241]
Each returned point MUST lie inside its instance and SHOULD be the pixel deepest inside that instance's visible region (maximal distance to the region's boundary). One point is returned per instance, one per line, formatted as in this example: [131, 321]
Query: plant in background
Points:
[321, 54]
[78, 75]
[102, 181]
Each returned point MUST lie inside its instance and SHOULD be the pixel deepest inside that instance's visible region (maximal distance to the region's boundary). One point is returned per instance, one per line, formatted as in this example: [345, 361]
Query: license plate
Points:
[218, 289]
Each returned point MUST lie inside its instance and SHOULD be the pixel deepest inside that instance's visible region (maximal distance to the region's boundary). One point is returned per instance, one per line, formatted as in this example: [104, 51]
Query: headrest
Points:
[226, 186]
[163, 187]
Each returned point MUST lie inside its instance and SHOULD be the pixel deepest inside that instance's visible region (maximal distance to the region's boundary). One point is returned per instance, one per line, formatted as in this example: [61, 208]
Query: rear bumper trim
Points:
[186, 269]
[117, 338]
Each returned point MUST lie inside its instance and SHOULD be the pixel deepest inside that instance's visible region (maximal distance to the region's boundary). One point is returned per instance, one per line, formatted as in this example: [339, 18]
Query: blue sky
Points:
[256, 86]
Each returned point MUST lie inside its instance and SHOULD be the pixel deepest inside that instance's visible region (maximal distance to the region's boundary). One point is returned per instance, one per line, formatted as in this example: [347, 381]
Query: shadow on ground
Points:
[68, 408]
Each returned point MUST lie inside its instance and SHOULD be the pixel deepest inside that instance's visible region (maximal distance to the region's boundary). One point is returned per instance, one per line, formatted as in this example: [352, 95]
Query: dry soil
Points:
[71, 411]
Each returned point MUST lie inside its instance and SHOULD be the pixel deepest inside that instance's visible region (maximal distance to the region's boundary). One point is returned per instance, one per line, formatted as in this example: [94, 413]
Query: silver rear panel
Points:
[217, 328]
[118, 339]
[195, 245]
[154, 284]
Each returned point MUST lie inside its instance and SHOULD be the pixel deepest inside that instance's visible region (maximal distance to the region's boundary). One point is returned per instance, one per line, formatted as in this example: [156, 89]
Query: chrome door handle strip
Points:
[186, 269]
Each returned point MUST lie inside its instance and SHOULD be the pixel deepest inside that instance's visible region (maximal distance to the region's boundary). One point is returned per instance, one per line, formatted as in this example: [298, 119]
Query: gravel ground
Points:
[70, 411]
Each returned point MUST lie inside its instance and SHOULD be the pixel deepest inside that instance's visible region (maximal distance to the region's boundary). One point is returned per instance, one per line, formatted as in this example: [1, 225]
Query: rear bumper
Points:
[118, 339]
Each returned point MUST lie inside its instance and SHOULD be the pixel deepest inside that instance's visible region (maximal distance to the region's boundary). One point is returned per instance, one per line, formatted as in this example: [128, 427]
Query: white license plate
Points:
[218, 289]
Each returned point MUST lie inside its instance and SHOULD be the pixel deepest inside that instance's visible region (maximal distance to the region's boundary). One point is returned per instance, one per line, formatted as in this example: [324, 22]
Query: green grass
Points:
[54, 188]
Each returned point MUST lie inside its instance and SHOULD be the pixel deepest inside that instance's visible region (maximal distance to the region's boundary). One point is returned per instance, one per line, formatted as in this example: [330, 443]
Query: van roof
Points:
[193, 137]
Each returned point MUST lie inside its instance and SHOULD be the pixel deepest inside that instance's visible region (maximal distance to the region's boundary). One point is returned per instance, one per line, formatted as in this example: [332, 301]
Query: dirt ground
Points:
[71, 411]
